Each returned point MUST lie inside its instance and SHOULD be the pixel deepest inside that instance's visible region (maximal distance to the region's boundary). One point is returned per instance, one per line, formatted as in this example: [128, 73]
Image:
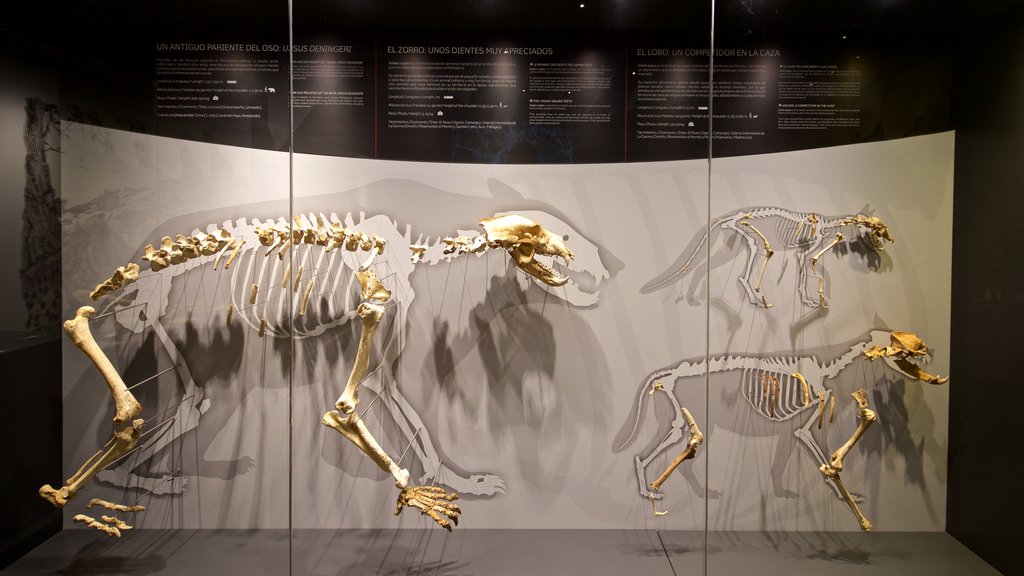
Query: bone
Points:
[838, 238]
[831, 409]
[351, 427]
[263, 328]
[220, 255]
[418, 250]
[285, 276]
[124, 441]
[768, 253]
[298, 279]
[655, 387]
[113, 506]
[904, 346]
[432, 501]
[866, 417]
[126, 406]
[833, 475]
[523, 239]
[234, 254]
[231, 313]
[305, 297]
[774, 394]
[803, 386]
[370, 315]
[821, 409]
[696, 439]
[115, 522]
[93, 523]
[122, 276]
[254, 290]
[654, 506]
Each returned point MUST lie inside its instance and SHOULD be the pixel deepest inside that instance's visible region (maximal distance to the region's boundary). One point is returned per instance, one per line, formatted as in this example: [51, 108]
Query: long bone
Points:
[124, 441]
[126, 406]
[866, 417]
[831, 470]
[838, 238]
[696, 439]
[832, 475]
[345, 419]
[768, 253]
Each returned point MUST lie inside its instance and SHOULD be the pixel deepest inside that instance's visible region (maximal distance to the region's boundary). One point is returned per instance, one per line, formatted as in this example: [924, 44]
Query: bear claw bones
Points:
[432, 501]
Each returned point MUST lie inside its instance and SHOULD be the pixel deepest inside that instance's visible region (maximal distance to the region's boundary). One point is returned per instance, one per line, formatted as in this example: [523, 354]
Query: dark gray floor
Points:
[498, 553]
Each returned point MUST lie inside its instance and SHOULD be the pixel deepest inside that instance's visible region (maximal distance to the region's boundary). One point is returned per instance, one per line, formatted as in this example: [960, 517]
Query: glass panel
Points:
[536, 404]
[832, 214]
[168, 137]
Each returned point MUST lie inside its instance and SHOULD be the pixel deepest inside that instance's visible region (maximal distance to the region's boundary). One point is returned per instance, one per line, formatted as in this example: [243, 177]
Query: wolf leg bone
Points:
[123, 442]
[866, 416]
[432, 501]
[696, 439]
[126, 406]
[833, 475]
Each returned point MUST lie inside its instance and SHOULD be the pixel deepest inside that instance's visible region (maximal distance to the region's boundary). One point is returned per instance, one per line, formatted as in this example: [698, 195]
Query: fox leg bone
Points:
[123, 442]
[866, 416]
[126, 406]
[696, 439]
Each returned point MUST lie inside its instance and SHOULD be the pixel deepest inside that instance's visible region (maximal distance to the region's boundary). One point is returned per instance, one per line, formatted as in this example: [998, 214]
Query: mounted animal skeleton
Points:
[522, 238]
[778, 388]
[811, 236]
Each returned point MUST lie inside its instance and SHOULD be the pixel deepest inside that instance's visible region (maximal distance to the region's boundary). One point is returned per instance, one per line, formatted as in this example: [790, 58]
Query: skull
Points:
[525, 239]
[903, 346]
[874, 230]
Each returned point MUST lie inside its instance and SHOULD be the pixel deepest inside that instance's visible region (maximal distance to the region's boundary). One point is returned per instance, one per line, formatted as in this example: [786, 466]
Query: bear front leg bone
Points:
[123, 442]
[126, 406]
[352, 427]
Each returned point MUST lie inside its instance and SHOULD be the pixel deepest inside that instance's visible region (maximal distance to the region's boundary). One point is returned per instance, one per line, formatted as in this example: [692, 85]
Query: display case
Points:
[477, 289]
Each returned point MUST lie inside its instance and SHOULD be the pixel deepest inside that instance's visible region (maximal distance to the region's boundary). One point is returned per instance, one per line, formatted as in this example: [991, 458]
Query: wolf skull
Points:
[524, 239]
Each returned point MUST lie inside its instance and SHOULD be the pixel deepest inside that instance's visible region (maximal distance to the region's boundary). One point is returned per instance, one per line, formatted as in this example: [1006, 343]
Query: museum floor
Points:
[499, 552]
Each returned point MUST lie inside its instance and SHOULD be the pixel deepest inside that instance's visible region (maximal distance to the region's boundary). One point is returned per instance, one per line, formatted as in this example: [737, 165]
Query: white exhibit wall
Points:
[524, 394]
